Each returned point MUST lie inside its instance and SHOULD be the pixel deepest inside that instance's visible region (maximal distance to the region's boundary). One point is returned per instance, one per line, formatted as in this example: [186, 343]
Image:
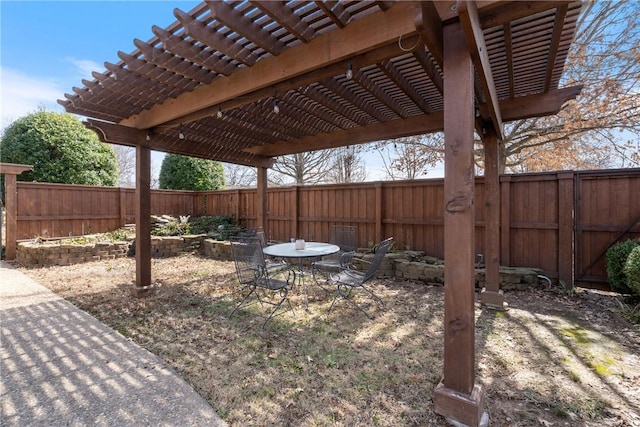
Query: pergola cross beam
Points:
[470, 20]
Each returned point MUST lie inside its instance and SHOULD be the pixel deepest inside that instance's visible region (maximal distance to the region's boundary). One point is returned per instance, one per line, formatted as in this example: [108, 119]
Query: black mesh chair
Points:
[273, 265]
[344, 236]
[258, 284]
[348, 281]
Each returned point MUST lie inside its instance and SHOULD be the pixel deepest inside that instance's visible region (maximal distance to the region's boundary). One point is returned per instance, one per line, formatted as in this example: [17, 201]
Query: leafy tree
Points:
[189, 173]
[60, 149]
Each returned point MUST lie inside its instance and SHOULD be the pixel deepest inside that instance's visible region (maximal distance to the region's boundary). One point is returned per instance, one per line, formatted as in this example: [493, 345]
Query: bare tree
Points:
[602, 127]
[238, 176]
[302, 168]
[126, 158]
[411, 157]
[348, 165]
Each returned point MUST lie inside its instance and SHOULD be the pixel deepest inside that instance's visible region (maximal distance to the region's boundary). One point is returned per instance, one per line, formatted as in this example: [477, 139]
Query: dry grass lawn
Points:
[551, 360]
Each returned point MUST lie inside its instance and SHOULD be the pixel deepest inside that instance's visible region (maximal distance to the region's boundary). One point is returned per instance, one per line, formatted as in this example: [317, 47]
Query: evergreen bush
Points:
[616, 259]
[60, 148]
[632, 270]
[210, 224]
[189, 173]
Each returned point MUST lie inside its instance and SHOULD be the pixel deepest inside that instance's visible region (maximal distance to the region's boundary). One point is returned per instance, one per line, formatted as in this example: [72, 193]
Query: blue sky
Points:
[48, 47]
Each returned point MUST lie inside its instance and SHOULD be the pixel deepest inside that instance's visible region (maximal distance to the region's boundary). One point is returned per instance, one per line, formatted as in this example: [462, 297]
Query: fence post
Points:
[505, 220]
[378, 214]
[566, 207]
[196, 204]
[237, 206]
[11, 197]
[123, 206]
[295, 212]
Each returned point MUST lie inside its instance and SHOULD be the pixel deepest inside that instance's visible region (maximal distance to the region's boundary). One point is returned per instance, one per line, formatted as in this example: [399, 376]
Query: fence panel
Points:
[282, 203]
[175, 203]
[216, 203]
[56, 210]
[533, 222]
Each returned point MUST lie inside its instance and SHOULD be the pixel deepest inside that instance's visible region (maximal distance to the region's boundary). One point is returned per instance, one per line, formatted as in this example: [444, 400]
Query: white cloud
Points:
[21, 94]
[85, 67]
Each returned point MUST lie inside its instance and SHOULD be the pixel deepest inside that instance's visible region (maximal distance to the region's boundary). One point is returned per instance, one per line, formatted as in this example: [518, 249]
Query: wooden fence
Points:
[560, 222]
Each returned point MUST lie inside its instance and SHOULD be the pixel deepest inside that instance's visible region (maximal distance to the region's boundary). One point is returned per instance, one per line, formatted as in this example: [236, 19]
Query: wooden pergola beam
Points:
[513, 109]
[538, 105]
[392, 129]
[429, 25]
[470, 20]
[115, 134]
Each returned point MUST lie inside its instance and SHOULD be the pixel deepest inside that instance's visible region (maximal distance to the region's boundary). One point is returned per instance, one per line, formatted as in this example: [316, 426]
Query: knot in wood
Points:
[459, 203]
[457, 325]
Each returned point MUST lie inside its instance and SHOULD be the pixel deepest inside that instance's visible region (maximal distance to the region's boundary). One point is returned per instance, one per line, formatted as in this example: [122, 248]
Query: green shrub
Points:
[189, 173]
[119, 235]
[616, 258]
[60, 148]
[632, 270]
[172, 228]
[209, 224]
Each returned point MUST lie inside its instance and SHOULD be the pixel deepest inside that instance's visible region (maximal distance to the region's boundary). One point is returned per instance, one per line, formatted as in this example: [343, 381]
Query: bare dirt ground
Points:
[552, 359]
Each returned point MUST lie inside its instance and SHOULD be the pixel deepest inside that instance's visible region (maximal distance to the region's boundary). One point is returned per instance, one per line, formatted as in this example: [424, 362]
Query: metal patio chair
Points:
[344, 236]
[258, 283]
[273, 265]
[348, 281]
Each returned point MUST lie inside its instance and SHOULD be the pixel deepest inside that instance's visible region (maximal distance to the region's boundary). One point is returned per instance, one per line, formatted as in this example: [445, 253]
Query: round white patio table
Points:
[311, 250]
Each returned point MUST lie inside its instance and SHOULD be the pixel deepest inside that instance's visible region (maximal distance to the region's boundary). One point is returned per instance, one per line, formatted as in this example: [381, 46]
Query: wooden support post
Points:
[491, 295]
[143, 221]
[457, 397]
[10, 172]
[566, 233]
[11, 208]
[262, 204]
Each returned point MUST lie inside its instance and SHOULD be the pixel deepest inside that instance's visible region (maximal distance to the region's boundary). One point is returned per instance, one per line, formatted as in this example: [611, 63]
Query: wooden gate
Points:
[607, 210]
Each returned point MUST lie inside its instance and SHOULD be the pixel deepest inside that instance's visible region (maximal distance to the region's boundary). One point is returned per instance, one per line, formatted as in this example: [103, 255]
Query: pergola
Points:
[244, 82]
